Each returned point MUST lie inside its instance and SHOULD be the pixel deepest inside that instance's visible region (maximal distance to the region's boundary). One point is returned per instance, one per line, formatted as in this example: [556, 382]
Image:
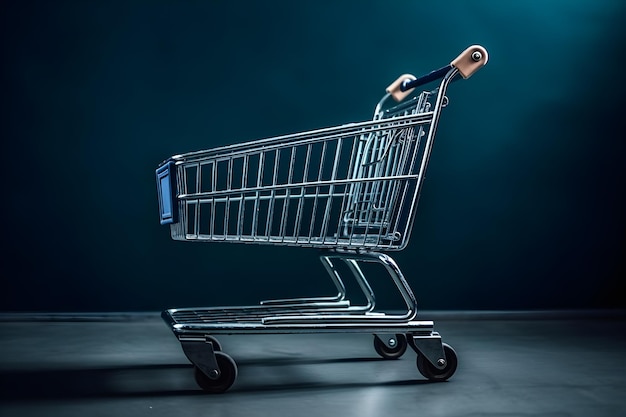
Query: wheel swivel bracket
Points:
[199, 350]
[430, 346]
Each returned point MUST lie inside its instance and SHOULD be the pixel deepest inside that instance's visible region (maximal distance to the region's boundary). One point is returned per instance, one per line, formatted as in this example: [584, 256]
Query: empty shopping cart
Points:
[350, 191]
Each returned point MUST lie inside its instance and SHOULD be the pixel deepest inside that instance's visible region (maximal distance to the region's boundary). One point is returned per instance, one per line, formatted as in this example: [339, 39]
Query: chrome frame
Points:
[377, 187]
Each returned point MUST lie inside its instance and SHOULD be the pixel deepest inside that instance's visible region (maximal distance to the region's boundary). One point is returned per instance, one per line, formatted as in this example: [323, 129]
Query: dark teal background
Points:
[523, 207]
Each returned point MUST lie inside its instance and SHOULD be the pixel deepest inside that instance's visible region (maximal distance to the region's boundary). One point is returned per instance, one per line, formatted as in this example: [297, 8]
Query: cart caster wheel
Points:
[228, 375]
[391, 353]
[429, 371]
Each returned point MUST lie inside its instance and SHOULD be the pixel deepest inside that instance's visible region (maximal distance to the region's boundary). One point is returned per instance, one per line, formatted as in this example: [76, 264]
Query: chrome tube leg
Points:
[363, 284]
[392, 268]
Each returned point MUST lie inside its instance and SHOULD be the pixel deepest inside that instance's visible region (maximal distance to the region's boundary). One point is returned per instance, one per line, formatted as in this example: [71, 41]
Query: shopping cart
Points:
[350, 191]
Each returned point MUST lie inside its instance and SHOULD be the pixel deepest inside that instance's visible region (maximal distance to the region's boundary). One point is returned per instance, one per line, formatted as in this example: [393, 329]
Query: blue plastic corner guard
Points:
[166, 189]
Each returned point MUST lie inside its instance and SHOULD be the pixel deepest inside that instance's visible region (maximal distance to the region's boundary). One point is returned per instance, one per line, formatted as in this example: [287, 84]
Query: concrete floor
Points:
[510, 364]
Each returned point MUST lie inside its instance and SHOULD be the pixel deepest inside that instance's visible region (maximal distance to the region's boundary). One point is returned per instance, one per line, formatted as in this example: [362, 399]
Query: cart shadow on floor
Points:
[168, 380]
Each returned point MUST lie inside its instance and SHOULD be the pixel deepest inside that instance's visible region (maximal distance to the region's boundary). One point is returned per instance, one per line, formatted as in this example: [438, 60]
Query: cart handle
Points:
[467, 63]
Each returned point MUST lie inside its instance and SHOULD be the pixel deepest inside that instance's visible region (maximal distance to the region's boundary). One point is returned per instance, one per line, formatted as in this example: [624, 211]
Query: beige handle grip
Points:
[467, 63]
[470, 60]
[394, 88]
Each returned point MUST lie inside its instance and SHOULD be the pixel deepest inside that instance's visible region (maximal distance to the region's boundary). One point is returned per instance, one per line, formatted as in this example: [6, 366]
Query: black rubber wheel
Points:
[431, 372]
[228, 375]
[390, 353]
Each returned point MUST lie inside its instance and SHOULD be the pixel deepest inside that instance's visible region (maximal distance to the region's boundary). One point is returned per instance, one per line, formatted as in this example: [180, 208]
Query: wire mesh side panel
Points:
[350, 187]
